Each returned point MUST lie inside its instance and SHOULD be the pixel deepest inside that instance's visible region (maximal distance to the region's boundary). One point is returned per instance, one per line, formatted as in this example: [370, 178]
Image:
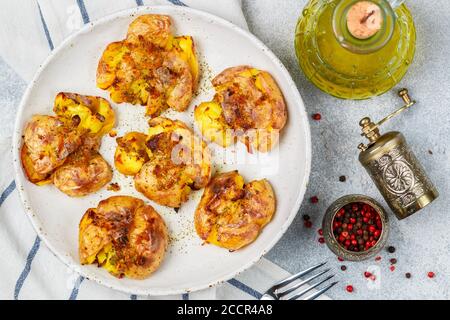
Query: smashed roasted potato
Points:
[63, 149]
[178, 162]
[150, 67]
[248, 106]
[168, 162]
[232, 213]
[123, 235]
[48, 140]
[84, 172]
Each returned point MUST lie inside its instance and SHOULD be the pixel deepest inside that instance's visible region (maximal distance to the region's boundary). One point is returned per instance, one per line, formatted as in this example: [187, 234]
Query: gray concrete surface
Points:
[422, 241]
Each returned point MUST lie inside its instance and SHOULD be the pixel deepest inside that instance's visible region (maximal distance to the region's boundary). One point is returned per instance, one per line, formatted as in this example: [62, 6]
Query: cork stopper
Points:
[364, 19]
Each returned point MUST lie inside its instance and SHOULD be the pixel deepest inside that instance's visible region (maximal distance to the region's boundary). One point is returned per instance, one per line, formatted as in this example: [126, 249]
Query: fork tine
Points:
[321, 291]
[288, 280]
[298, 295]
[298, 285]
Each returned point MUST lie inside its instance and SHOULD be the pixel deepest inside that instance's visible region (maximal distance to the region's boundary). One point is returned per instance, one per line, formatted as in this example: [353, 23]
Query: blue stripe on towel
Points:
[47, 33]
[83, 11]
[178, 3]
[76, 287]
[133, 297]
[139, 2]
[185, 296]
[37, 242]
[27, 268]
[245, 288]
[7, 192]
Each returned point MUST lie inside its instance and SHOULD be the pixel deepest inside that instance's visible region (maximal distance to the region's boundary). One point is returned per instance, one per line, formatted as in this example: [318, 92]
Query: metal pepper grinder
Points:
[393, 167]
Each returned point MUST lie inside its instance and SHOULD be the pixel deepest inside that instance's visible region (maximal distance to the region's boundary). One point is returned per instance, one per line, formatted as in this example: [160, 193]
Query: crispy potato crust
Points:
[178, 162]
[150, 67]
[30, 172]
[84, 172]
[153, 28]
[248, 105]
[231, 213]
[49, 141]
[123, 235]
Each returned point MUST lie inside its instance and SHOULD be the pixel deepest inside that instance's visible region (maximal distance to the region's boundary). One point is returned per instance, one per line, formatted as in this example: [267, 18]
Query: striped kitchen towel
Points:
[30, 30]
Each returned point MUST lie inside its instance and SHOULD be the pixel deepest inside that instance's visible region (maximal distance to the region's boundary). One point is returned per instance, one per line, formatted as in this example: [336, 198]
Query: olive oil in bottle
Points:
[355, 49]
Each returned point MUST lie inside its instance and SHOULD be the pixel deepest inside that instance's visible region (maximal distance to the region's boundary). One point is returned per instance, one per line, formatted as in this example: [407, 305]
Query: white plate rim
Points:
[16, 142]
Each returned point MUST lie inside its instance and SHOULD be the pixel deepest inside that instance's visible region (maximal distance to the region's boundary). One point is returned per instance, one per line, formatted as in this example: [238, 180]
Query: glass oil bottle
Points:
[343, 63]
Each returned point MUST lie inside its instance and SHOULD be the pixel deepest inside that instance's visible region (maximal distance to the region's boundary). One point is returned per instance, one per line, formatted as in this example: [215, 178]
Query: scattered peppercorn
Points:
[314, 199]
[349, 288]
[320, 232]
[377, 258]
[340, 259]
[342, 178]
[430, 274]
[343, 268]
[367, 274]
[176, 209]
[321, 240]
[430, 152]
[408, 275]
[373, 278]
[317, 116]
[307, 224]
[306, 217]
[392, 268]
[391, 249]
[393, 261]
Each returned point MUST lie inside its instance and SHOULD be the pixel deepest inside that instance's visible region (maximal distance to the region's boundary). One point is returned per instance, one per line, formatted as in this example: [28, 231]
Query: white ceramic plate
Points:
[188, 265]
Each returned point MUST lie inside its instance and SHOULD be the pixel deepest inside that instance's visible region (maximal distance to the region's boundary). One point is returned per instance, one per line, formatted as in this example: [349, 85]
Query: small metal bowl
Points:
[334, 245]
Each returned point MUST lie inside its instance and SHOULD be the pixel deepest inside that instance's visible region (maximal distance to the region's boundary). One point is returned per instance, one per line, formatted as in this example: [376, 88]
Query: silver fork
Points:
[282, 289]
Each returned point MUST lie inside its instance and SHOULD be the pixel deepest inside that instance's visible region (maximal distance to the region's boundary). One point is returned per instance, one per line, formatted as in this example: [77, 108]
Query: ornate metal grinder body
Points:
[393, 167]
